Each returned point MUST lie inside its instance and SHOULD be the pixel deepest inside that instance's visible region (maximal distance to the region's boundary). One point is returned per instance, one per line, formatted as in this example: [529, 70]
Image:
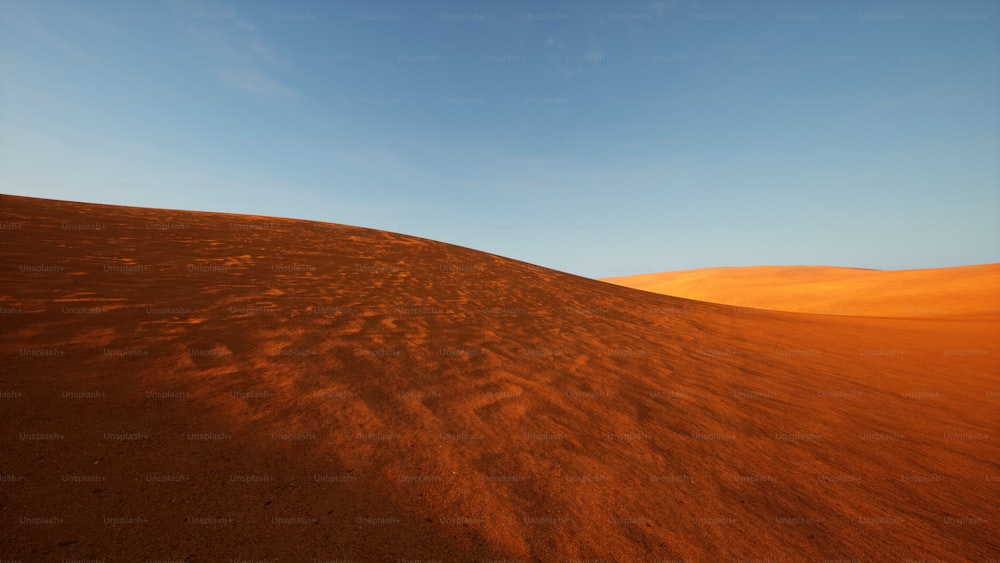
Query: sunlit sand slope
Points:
[967, 290]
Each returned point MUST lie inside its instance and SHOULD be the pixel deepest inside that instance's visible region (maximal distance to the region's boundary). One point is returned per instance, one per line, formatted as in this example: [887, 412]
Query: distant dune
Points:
[967, 290]
[207, 387]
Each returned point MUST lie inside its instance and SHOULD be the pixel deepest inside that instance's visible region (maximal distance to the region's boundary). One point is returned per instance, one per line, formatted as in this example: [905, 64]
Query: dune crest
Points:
[205, 387]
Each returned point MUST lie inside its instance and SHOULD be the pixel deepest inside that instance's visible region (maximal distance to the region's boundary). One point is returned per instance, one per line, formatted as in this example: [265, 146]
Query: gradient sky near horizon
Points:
[595, 137]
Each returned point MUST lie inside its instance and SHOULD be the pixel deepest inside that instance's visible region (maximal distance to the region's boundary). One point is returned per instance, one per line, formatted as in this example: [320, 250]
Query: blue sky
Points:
[599, 138]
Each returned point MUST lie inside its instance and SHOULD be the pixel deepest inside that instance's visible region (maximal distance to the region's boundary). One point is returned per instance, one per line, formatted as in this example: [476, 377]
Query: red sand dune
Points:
[967, 290]
[206, 387]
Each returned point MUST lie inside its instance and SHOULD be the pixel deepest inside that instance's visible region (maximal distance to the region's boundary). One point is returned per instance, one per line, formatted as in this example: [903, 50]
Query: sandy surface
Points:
[935, 292]
[207, 387]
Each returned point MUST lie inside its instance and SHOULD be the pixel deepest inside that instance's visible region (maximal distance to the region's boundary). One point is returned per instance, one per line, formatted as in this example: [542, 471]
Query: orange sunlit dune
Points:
[207, 387]
[966, 290]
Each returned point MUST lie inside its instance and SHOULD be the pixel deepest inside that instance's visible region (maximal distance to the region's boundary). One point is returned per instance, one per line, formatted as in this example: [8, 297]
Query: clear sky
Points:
[595, 137]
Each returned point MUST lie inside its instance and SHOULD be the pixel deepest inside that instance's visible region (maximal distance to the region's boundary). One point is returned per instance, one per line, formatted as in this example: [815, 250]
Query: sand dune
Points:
[210, 387]
[935, 292]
